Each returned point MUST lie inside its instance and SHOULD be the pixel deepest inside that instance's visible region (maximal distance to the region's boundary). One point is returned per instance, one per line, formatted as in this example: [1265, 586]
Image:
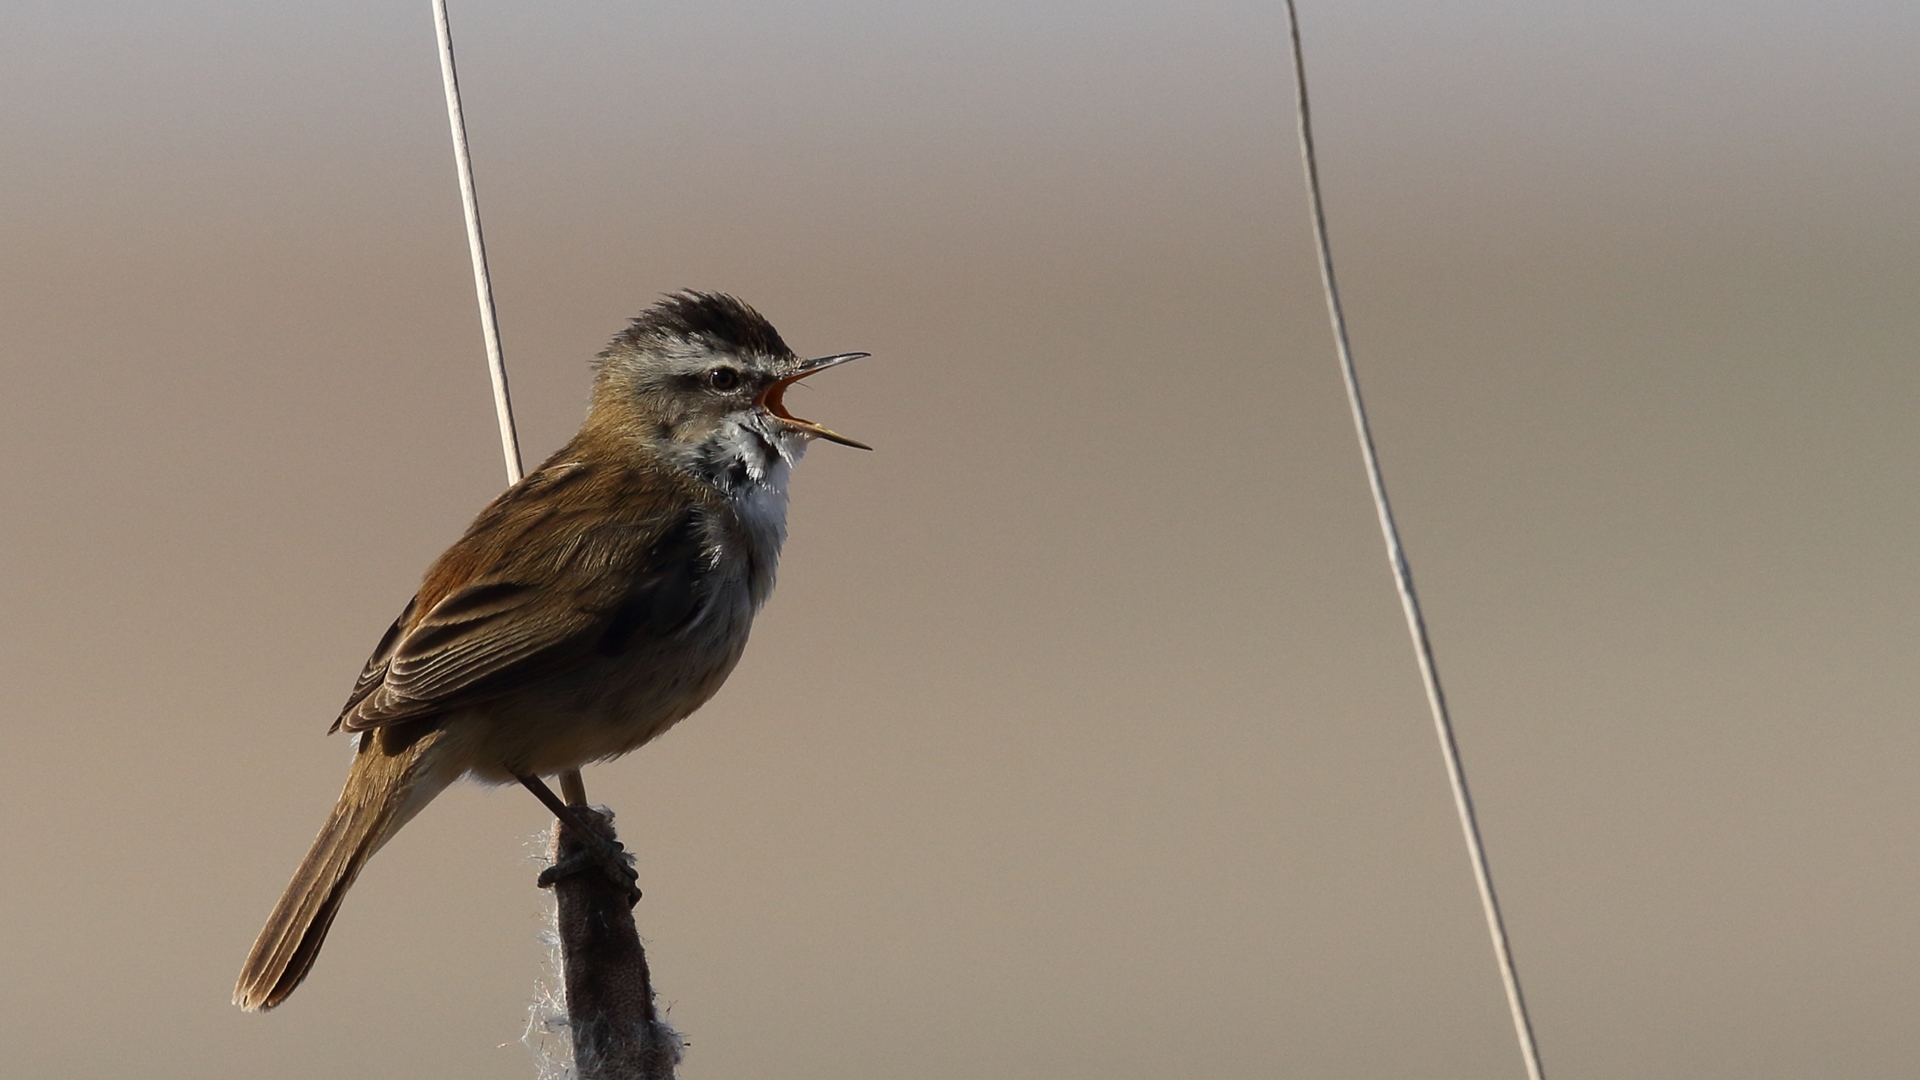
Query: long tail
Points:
[389, 783]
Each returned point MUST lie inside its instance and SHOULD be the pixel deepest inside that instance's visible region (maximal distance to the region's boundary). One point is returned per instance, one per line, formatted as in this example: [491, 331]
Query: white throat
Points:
[750, 464]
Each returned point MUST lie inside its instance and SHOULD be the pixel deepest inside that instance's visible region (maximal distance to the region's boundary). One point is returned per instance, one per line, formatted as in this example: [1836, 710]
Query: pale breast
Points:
[614, 704]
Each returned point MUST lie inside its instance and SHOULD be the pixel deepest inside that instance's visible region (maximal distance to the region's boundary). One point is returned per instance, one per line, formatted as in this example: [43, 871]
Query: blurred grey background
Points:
[1082, 739]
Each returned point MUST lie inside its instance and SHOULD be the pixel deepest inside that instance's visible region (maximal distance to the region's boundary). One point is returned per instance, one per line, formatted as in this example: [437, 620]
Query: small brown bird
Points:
[587, 609]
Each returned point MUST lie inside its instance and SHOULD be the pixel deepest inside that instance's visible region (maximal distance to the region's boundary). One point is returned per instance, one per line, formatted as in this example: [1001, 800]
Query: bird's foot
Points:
[586, 841]
[595, 853]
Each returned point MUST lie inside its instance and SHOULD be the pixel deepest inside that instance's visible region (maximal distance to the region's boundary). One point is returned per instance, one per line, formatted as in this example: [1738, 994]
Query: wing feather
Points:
[538, 585]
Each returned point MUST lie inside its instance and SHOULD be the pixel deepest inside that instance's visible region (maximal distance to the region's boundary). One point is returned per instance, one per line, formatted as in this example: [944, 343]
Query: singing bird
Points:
[587, 609]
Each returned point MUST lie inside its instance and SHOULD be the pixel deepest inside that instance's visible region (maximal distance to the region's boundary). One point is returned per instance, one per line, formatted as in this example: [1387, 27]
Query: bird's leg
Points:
[596, 850]
[573, 788]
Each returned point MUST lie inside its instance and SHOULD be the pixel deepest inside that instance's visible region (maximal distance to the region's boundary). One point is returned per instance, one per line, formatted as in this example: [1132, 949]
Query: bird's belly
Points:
[611, 705]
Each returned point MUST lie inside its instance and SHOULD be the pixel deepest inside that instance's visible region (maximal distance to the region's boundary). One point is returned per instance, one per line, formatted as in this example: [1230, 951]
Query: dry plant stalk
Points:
[617, 1033]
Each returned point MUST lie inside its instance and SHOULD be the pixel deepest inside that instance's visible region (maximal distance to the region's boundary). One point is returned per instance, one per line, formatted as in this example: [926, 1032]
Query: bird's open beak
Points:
[772, 398]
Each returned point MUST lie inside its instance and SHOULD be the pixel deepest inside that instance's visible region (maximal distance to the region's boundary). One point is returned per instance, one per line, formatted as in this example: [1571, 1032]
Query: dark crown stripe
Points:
[720, 320]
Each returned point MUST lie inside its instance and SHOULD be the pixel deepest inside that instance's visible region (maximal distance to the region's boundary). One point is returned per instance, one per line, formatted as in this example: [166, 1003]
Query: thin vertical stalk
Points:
[477, 247]
[1403, 576]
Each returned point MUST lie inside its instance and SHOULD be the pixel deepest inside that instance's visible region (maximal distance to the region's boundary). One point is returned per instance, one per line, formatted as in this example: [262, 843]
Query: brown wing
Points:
[574, 562]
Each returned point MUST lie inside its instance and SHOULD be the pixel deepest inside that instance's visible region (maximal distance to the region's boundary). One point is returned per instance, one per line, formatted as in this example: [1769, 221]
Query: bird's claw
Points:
[597, 853]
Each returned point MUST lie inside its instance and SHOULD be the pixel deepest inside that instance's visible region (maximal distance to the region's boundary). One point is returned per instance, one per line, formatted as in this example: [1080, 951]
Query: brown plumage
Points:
[587, 609]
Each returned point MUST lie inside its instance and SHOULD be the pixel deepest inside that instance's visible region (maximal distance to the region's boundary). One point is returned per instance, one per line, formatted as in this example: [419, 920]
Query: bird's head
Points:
[702, 374]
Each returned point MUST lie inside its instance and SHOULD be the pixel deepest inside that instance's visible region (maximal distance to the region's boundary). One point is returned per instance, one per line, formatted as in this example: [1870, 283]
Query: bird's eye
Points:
[723, 379]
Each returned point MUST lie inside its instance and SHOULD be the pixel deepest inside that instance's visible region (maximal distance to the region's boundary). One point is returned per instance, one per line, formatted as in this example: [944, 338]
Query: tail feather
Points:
[385, 788]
